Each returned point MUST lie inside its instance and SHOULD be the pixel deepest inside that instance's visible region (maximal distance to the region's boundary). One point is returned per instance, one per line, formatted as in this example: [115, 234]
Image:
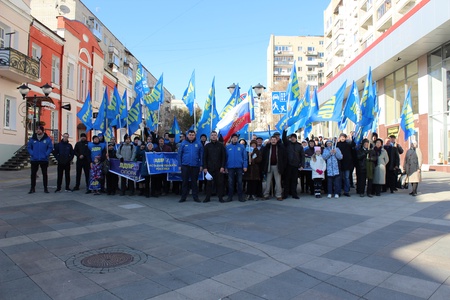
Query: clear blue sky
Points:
[225, 39]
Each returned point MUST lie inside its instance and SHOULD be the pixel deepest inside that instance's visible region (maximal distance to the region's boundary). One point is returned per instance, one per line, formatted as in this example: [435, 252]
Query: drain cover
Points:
[105, 260]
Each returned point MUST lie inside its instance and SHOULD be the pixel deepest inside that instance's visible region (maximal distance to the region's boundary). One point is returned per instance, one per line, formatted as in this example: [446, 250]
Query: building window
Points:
[9, 116]
[55, 70]
[299, 48]
[83, 84]
[311, 49]
[69, 124]
[2, 37]
[53, 119]
[70, 75]
[321, 55]
[300, 58]
[96, 96]
[299, 69]
[320, 42]
[36, 51]
[310, 58]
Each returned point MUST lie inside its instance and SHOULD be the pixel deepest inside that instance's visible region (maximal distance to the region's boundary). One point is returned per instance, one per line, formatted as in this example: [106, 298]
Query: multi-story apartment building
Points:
[308, 54]
[406, 43]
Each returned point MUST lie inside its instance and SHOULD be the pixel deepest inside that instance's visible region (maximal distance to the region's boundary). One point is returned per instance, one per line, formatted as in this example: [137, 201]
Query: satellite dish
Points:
[64, 9]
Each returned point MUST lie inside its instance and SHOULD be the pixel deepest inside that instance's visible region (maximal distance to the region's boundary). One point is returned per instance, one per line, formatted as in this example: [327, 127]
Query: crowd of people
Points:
[238, 168]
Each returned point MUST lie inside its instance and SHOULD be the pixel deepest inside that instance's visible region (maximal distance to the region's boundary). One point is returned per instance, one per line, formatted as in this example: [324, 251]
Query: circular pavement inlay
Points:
[105, 260]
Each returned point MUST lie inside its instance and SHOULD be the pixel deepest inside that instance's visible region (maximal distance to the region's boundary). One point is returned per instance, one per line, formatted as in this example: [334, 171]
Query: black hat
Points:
[205, 135]
[125, 137]
[234, 135]
[259, 138]
[364, 141]
[171, 135]
[392, 136]
[293, 135]
[276, 133]
[94, 137]
[111, 144]
[83, 135]
[41, 128]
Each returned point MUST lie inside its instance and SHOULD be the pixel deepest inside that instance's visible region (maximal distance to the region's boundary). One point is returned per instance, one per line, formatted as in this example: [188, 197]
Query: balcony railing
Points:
[18, 61]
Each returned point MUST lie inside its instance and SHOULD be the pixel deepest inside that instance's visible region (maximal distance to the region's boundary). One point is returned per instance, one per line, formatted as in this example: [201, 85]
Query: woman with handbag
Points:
[412, 166]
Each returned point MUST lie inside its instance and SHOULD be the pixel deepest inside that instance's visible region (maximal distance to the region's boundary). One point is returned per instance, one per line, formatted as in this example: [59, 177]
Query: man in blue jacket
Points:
[63, 153]
[190, 159]
[39, 146]
[237, 163]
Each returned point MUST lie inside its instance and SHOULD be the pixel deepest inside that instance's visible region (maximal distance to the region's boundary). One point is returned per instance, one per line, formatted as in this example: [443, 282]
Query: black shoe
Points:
[369, 195]
[182, 200]
[347, 194]
[88, 192]
[296, 197]
[46, 191]
[32, 190]
[75, 189]
[242, 200]
[57, 190]
[206, 200]
[221, 201]
[377, 194]
[197, 200]
[361, 195]
[228, 200]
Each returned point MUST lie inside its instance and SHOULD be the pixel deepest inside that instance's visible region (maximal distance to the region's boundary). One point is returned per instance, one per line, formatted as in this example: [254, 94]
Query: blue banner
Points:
[162, 162]
[128, 169]
[177, 176]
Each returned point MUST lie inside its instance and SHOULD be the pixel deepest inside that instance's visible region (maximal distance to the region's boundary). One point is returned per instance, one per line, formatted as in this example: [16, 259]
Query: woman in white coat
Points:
[412, 166]
[318, 166]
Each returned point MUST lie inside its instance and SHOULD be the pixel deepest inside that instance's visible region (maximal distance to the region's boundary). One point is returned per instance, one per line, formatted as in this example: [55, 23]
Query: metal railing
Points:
[17, 60]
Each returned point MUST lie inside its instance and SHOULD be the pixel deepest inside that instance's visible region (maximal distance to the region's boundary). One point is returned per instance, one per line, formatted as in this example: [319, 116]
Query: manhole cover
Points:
[105, 260]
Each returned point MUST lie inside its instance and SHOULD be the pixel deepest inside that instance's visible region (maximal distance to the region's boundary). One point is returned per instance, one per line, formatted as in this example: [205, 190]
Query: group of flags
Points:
[238, 112]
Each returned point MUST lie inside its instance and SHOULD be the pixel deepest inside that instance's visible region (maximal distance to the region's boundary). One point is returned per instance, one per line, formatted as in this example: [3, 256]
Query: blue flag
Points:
[234, 99]
[282, 123]
[301, 110]
[100, 122]
[151, 120]
[293, 91]
[407, 117]
[189, 94]
[134, 118]
[176, 130]
[85, 113]
[109, 133]
[156, 97]
[210, 117]
[123, 111]
[352, 109]
[367, 101]
[312, 112]
[113, 108]
[331, 109]
[141, 85]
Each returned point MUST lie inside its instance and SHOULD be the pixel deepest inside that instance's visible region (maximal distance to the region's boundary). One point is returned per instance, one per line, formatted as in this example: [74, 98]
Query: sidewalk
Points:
[78, 246]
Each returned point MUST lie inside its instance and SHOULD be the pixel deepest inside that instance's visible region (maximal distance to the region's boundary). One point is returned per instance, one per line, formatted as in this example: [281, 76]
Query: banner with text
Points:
[162, 162]
[128, 169]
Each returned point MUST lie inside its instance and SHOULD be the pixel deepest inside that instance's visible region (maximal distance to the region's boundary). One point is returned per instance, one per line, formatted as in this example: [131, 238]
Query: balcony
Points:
[17, 66]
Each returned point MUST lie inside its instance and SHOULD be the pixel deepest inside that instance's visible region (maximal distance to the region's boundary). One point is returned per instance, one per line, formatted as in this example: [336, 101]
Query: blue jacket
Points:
[190, 153]
[332, 160]
[39, 149]
[236, 156]
[97, 150]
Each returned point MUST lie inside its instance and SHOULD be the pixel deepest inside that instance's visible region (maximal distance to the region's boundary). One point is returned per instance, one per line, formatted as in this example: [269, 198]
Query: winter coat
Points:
[281, 158]
[63, 152]
[81, 148]
[366, 161]
[190, 153]
[39, 149]
[253, 170]
[332, 161]
[412, 165]
[127, 152]
[214, 156]
[295, 154]
[319, 164]
[379, 173]
[394, 158]
[347, 155]
[164, 148]
[236, 156]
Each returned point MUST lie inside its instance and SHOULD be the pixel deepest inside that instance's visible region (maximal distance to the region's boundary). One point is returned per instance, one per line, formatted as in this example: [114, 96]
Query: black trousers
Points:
[34, 169]
[362, 182]
[217, 181]
[290, 181]
[189, 175]
[391, 179]
[112, 182]
[63, 169]
[82, 165]
[126, 184]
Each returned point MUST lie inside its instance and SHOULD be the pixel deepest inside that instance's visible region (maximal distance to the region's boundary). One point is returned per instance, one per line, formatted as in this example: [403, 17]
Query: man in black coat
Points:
[392, 166]
[81, 151]
[296, 161]
[214, 161]
[63, 152]
[273, 165]
[346, 164]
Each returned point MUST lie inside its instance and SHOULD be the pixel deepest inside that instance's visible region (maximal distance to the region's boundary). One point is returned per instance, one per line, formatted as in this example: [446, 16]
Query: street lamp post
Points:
[259, 89]
[24, 90]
